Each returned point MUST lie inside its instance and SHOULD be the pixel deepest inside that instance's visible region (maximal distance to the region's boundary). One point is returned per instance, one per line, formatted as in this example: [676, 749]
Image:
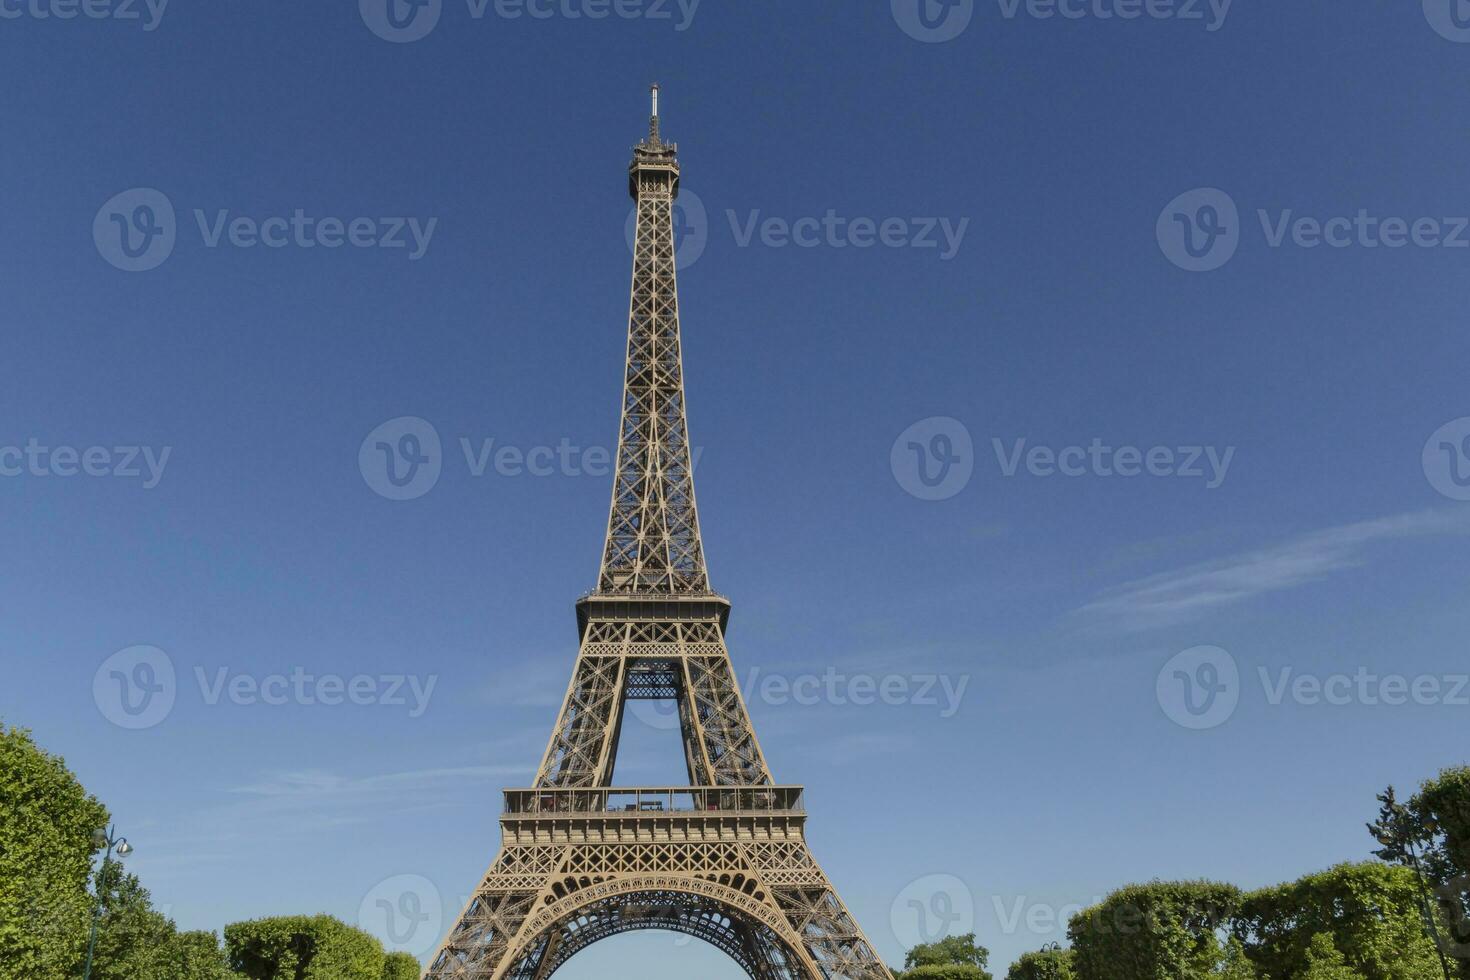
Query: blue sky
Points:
[1089, 742]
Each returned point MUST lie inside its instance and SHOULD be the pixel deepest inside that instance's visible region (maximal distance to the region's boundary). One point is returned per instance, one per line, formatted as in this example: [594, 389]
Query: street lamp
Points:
[103, 838]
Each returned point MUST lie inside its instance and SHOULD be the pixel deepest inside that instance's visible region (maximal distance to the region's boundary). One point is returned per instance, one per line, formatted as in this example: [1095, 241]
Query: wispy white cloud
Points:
[536, 682]
[296, 805]
[1190, 592]
[327, 787]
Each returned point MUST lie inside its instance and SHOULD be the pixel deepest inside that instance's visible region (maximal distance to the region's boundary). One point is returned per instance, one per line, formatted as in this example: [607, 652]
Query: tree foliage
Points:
[194, 956]
[401, 966]
[1370, 913]
[1048, 964]
[945, 971]
[132, 939]
[1157, 931]
[301, 947]
[46, 825]
[1325, 962]
[951, 958]
[948, 951]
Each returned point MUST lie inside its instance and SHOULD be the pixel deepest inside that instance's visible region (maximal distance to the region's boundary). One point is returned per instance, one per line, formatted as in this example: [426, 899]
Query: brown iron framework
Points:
[723, 859]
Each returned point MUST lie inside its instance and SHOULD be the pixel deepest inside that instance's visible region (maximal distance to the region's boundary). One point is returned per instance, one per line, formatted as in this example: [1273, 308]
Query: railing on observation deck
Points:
[712, 800]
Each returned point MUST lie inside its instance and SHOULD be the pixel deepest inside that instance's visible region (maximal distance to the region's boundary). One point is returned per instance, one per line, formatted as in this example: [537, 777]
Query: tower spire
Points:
[653, 544]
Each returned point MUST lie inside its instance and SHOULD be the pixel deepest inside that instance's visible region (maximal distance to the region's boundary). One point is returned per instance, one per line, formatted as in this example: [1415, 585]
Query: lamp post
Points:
[103, 838]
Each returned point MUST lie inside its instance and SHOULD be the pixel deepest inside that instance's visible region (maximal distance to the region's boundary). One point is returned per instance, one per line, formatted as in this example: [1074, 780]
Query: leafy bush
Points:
[1158, 931]
[945, 971]
[951, 958]
[1368, 913]
[301, 947]
[401, 966]
[1049, 964]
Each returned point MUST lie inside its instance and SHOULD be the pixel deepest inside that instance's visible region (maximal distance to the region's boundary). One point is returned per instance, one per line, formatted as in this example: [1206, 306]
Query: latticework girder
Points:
[653, 543]
[725, 859]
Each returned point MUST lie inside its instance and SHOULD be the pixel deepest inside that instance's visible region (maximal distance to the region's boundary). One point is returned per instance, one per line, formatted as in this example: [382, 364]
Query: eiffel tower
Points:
[724, 858]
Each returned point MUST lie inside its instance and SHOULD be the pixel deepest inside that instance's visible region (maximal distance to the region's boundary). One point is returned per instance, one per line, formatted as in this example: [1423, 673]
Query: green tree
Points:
[945, 971]
[1435, 825]
[1052, 963]
[1370, 913]
[132, 938]
[1236, 965]
[46, 825]
[301, 947]
[1157, 931]
[1325, 962]
[948, 951]
[951, 958]
[196, 956]
[401, 966]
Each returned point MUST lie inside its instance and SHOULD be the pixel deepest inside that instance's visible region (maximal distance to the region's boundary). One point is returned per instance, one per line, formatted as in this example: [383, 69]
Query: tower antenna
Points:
[653, 136]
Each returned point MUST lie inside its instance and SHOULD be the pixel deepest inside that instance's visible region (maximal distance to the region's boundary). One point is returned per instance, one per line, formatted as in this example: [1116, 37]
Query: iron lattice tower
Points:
[725, 858]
